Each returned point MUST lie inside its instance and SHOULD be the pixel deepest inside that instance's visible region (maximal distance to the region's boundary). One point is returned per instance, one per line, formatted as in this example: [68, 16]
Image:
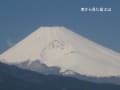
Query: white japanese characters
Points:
[95, 9]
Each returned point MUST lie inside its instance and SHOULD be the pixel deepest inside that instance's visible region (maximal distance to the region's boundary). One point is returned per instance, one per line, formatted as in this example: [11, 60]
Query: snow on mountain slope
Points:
[58, 46]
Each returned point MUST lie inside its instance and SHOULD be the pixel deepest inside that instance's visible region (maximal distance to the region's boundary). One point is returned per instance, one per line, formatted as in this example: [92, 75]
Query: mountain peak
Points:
[59, 46]
[51, 29]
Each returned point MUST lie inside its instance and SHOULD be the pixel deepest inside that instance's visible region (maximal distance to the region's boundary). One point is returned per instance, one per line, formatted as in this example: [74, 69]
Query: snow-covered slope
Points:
[58, 46]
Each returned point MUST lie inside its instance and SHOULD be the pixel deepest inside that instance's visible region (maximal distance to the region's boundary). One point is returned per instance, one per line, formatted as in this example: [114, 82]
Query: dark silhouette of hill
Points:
[14, 78]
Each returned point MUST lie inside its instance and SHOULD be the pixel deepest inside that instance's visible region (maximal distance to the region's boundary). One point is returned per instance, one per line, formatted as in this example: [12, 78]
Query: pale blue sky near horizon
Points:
[18, 18]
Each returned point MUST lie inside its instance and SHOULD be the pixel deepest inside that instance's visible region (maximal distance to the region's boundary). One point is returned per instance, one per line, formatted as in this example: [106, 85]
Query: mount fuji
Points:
[60, 48]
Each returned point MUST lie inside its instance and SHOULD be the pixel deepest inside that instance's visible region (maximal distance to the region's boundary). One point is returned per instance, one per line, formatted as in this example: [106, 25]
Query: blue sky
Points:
[18, 18]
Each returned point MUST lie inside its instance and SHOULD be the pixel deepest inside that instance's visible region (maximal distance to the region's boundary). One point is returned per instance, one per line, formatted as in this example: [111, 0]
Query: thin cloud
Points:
[10, 43]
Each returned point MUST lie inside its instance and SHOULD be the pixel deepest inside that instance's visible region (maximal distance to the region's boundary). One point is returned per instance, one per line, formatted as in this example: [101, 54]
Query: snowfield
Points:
[63, 48]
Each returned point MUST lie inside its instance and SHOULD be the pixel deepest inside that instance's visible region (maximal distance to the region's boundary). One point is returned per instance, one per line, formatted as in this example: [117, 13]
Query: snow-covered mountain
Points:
[60, 47]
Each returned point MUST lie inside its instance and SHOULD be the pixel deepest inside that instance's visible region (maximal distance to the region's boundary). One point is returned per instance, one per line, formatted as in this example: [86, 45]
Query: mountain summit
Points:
[61, 47]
